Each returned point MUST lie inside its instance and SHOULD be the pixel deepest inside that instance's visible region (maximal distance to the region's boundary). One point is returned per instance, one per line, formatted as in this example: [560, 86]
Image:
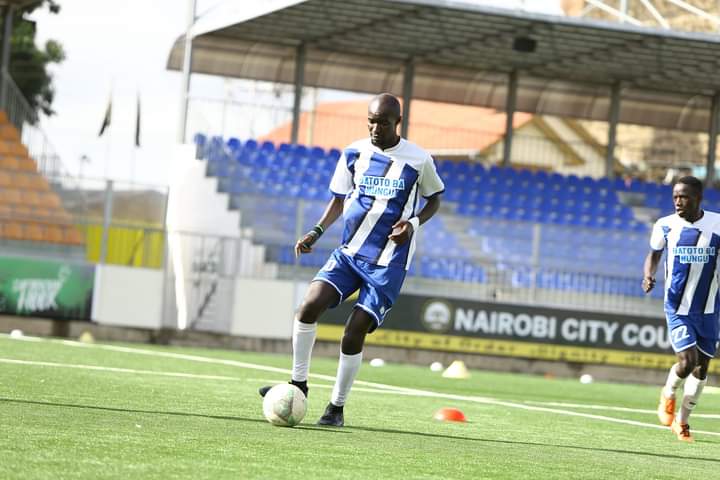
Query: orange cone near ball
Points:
[448, 414]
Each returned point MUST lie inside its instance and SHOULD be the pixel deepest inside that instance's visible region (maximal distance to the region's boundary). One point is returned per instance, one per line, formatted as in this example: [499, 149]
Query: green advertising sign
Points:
[42, 288]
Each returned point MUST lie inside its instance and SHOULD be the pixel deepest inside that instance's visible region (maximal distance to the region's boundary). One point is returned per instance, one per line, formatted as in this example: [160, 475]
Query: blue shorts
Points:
[379, 286]
[696, 330]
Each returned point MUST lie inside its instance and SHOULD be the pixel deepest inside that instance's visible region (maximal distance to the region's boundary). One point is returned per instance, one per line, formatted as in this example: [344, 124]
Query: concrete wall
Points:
[132, 297]
[126, 296]
[194, 204]
[263, 308]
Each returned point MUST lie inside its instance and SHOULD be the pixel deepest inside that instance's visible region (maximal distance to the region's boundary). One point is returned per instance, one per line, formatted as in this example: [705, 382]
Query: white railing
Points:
[27, 121]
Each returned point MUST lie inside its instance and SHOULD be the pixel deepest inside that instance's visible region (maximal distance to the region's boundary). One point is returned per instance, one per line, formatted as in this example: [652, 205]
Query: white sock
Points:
[693, 388]
[672, 383]
[348, 367]
[303, 339]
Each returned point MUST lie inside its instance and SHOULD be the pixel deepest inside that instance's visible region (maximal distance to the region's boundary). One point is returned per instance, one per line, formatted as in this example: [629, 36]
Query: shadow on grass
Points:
[702, 439]
[161, 412]
[548, 445]
[348, 430]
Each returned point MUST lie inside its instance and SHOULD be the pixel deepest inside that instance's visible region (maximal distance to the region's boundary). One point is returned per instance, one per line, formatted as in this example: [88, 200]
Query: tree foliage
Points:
[29, 64]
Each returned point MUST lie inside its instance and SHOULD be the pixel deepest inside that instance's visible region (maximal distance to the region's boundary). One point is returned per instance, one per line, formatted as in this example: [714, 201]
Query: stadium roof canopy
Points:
[462, 53]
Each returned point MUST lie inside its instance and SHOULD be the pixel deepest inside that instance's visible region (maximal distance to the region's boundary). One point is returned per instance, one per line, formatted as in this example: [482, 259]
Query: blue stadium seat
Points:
[299, 151]
[233, 144]
[333, 154]
[317, 153]
[200, 142]
[500, 206]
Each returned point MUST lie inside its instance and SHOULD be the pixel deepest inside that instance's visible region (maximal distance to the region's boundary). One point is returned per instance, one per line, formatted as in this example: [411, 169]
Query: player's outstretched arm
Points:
[332, 212]
[402, 230]
[650, 267]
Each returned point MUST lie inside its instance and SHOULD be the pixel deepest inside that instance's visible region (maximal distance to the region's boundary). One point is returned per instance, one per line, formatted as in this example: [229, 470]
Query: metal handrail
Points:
[27, 121]
[16, 106]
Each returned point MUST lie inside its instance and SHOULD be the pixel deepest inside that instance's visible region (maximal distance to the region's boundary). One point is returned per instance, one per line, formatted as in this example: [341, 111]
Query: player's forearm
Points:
[332, 212]
[651, 263]
[430, 209]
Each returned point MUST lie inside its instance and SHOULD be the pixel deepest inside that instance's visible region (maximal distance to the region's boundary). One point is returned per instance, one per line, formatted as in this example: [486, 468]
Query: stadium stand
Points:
[29, 209]
[590, 240]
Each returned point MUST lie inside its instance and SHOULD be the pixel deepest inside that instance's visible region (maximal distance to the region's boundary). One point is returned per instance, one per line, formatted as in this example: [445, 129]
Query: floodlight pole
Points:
[613, 119]
[297, 101]
[510, 103]
[408, 81]
[187, 68]
[712, 139]
[9, 13]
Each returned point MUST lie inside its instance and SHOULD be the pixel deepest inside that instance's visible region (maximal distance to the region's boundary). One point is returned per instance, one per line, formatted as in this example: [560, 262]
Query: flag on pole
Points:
[137, 122]
[108, 117]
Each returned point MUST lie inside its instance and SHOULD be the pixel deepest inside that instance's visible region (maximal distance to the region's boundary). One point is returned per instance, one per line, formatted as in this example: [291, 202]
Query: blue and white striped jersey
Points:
[691, 267]
[381, 187]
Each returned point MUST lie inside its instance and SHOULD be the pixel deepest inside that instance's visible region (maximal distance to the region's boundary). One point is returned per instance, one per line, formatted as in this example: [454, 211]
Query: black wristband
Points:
[313, 238]
[318, 229]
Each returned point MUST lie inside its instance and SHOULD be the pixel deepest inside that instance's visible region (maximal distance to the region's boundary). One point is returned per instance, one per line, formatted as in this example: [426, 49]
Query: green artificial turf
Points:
[60, 421]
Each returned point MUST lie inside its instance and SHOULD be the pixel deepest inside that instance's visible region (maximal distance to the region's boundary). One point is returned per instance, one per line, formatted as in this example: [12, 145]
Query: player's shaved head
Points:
[694, 183]
[687, 195]
[385, 103]
[384, 115]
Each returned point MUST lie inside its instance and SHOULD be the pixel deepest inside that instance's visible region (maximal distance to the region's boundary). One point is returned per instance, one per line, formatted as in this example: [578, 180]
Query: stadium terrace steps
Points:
[590, 240]
[29, 209]
[196, 188]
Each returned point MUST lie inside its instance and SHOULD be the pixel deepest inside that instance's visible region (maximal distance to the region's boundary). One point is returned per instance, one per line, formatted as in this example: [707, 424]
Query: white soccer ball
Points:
[586, 379]
[377, 362]
[436, 367]
[284, 405]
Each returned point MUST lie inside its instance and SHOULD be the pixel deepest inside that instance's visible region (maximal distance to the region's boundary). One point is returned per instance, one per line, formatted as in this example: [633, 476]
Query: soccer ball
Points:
[284, 405]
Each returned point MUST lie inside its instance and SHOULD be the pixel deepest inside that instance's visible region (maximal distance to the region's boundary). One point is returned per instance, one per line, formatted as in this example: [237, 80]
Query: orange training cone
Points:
[448, 414]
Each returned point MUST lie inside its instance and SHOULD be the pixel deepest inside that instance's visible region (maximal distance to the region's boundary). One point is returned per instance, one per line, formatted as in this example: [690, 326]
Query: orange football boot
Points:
[666, 410]
[682, 430]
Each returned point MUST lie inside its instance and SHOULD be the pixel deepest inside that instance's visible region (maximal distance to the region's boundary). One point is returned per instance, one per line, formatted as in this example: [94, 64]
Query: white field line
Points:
[24, 338]
[611, 408]
[118, 370]
[268, 381]
[313, 385]
[416, 392]
[221, 361]
[177, 374]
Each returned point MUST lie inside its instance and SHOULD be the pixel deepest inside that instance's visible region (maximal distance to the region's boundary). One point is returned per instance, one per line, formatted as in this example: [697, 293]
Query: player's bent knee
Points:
[310, 309]
[701, 370]
[308, 312]
[352, 344]
[355, 331]
[686, 364]
[319, 298]
[353, 338]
